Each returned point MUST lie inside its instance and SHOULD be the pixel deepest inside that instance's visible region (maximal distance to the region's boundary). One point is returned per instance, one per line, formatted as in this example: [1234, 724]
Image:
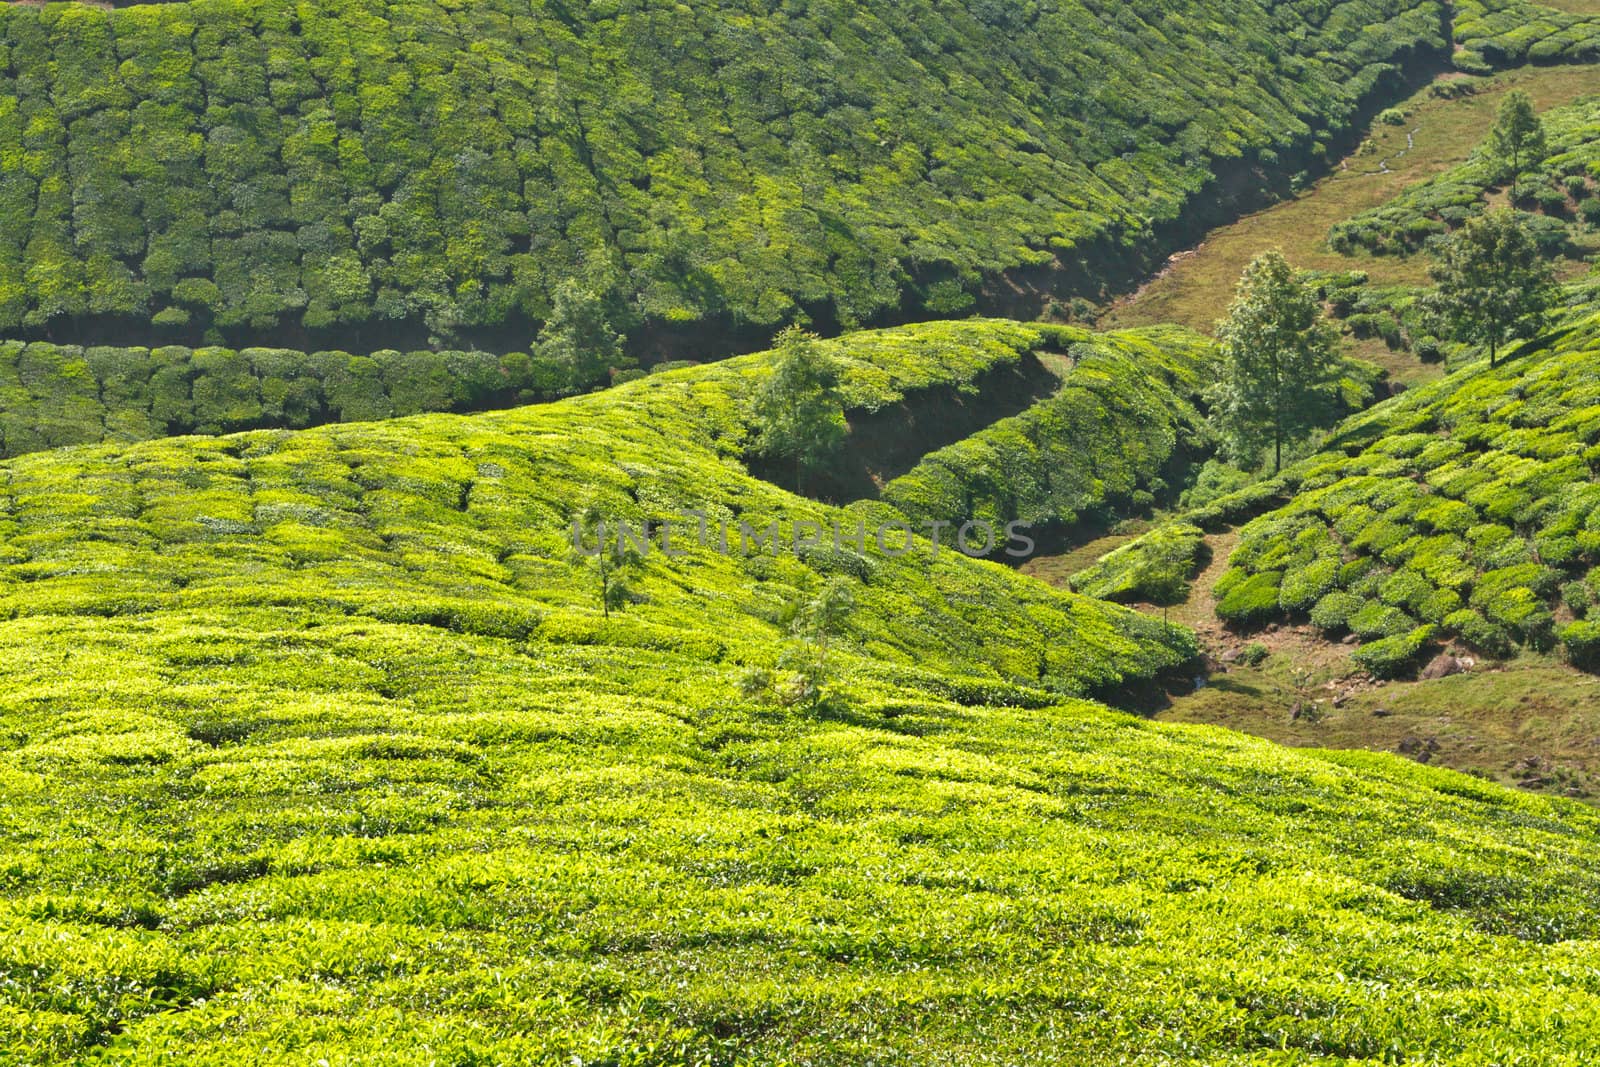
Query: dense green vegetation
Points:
[369, 170]
[1503, 33]
[321, 745]
[1560, 192]
[1278, 364]
[1115, 438]
[1155, 567]
[55, 395]
[1468, 505]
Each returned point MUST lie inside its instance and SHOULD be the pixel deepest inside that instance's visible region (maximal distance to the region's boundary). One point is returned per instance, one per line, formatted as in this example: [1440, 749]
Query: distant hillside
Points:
[1563, 189]
[365, 173]
[319, 745]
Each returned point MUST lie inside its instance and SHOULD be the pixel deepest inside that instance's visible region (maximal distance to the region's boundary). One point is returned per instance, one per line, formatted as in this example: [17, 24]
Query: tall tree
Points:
[1279, 367]
[1493, 285]
[578, 336]
[799, 414]
[1517, 140]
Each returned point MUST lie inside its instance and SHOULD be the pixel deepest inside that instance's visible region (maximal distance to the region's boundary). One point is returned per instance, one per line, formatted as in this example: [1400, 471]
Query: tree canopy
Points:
[1279, 364]
[799, 413]
[1493, 285]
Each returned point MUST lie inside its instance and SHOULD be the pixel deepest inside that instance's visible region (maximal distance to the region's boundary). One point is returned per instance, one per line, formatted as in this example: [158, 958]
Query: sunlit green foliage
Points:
[55, 395]
[1503, 33]
[355, 165]
[319, 745]
[1155, 568]
[1467, 505]
[1491, 285]
[1278, 365]
[1111, 441]
[798, 411]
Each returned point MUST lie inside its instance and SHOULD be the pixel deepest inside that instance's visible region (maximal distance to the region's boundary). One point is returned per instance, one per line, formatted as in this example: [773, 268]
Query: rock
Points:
[1230, 656]
[1381, 713]
[1419, 749]
[1442, 666]
[1350, 639]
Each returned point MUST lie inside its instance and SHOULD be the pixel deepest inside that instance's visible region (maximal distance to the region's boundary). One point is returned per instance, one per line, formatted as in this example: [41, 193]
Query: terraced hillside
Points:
[1463, 509]
[320, 745]
[383, 172]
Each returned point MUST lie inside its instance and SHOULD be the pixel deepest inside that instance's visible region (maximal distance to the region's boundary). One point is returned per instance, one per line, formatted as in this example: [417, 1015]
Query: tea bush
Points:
[1391, 656]
[1146, 568]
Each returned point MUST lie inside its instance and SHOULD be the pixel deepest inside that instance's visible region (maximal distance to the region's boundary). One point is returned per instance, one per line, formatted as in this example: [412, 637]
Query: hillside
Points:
[386, 172]
[1563, 190]
[319, 745]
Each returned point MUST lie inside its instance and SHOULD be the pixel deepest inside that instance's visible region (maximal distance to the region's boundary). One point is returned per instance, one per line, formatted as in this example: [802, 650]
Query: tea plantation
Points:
[1464, 509]
[1561, 192]
[55, 395]
[319, 746]
[1504, 33]
[377, 172]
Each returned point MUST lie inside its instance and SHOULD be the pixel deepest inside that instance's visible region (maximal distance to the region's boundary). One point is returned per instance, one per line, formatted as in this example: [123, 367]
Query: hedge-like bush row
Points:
[1561, 193]
[55, 395]
[1469, 506]
[1102, 446]
[1504, 33]
[266, 165]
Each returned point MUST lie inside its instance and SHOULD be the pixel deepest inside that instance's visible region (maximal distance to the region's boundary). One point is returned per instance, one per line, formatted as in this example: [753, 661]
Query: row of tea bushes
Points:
[1113, 440]
[57, 395]
[1467, 508]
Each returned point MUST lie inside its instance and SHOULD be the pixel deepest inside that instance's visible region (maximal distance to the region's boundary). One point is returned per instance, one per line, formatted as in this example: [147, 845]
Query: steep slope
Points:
[318, 745]
[1117, 435]
[382, 171]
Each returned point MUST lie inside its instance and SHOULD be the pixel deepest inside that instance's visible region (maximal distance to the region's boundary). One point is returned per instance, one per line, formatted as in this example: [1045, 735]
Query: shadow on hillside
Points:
[884, 444]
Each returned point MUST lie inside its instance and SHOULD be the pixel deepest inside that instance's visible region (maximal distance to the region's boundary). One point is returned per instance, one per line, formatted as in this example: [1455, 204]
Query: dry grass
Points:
[1197, 284]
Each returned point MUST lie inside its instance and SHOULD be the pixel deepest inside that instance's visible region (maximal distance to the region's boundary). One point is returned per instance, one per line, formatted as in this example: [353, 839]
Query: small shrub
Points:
[1393, 656]
[1375, 619]
[1582, 643]
[1332, 613]
[1478, 632]
[1254, 599]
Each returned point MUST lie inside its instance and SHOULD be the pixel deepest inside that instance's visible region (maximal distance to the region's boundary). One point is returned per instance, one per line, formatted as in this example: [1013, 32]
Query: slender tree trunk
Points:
[1493, 349]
